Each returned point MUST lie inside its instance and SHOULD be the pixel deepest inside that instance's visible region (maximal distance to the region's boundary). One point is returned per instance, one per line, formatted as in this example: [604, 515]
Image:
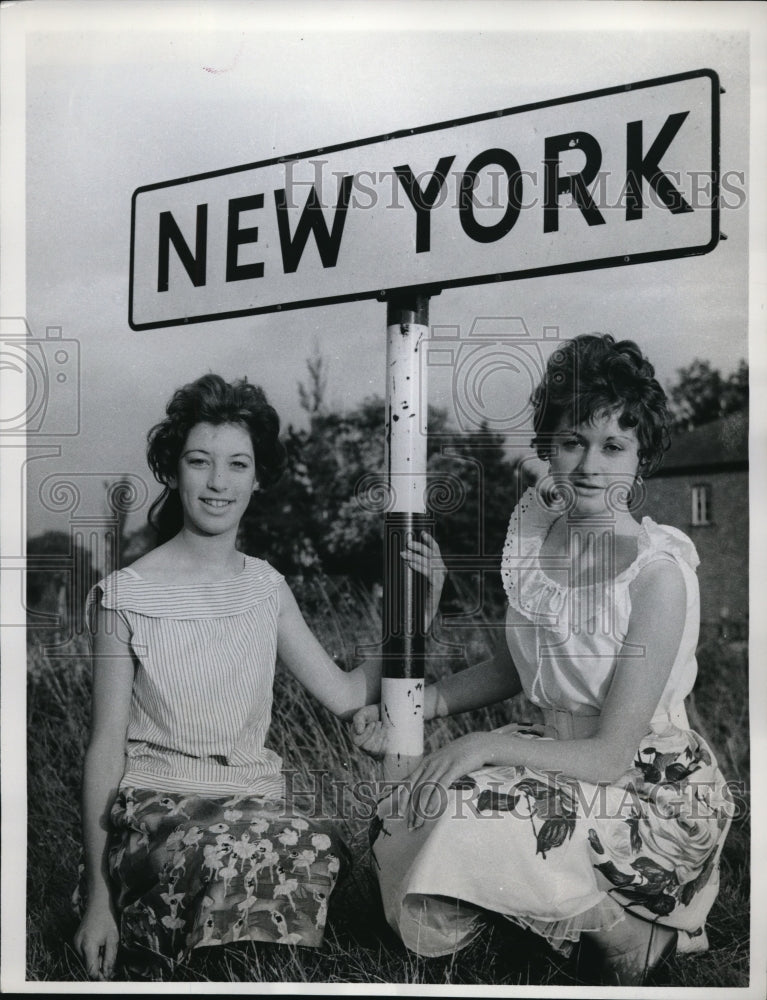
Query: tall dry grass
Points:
[359, 947]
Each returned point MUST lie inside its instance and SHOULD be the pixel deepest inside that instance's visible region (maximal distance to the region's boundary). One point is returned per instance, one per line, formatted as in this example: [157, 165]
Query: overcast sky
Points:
[116, 101]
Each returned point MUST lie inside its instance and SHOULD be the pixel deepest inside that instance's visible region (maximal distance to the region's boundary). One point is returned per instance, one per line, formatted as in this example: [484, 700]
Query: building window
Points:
[701, 504]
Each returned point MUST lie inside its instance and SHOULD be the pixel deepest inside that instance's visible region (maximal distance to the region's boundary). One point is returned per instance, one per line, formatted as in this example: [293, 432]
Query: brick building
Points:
[702, 489]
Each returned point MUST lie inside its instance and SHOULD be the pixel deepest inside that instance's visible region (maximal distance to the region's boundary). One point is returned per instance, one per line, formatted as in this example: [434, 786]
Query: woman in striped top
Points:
[187, 839]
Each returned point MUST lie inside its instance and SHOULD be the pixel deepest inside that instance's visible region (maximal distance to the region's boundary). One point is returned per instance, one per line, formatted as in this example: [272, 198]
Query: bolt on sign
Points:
[613, 177]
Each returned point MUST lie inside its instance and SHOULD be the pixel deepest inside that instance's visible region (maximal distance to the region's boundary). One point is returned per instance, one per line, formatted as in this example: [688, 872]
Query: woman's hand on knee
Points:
[437, 772]
[368, 731]
[96, 941]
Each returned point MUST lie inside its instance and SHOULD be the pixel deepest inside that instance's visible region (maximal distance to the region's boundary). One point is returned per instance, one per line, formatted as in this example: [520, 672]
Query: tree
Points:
[312, 397]
[735, 395]
[476, 466]
[60, 572]
[327, 513]
[701, 394]
[312, 518]
[279, 525]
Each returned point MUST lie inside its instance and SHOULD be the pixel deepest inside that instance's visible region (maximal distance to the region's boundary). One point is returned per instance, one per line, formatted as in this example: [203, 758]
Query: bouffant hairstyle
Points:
[212, 400]
[593, 375]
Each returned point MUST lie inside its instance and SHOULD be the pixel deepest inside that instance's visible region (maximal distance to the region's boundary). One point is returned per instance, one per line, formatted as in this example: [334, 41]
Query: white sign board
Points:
[618, 176]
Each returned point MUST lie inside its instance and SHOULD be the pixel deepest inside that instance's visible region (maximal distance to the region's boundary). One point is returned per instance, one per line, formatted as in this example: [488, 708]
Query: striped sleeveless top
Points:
[204, 658]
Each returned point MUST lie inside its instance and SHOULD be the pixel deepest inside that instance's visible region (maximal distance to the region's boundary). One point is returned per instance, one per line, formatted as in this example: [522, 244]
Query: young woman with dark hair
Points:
[188, 840]
[607, 820]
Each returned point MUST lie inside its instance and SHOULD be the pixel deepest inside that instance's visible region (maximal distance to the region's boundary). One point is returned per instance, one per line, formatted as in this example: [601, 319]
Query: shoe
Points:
[655, 958]
[630, 967]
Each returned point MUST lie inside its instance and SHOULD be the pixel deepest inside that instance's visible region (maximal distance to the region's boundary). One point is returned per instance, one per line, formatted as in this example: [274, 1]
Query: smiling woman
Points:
[216, 477]
[216, 440]
[188, 839]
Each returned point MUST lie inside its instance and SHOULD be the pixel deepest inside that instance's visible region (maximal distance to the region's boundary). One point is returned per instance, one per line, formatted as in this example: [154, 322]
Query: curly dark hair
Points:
[592, 375]
[212, 400]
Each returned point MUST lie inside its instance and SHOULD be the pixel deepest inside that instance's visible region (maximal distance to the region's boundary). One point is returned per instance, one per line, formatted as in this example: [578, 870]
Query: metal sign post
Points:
[402, 683]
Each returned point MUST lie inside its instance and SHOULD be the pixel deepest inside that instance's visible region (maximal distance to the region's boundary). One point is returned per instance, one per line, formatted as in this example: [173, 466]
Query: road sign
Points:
[618, 176]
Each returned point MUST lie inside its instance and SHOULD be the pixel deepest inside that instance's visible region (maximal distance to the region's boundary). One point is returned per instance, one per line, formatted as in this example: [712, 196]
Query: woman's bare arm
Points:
[658, 599]
[485, 683]
[342, 691]
[97, 936]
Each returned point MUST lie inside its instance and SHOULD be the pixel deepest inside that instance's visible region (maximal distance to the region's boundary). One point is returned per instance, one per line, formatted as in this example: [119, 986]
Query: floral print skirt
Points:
[556, 855]
[193, 871]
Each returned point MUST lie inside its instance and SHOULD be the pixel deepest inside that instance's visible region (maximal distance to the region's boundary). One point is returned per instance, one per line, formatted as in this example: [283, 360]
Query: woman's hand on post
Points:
[96, 941]
[424, 557]
[368, 731]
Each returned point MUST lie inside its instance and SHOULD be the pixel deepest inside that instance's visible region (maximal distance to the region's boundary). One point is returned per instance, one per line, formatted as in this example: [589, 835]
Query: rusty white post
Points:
[402, 683]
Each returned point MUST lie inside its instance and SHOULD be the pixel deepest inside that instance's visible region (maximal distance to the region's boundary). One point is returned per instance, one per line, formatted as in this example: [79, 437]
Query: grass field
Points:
[359, 946]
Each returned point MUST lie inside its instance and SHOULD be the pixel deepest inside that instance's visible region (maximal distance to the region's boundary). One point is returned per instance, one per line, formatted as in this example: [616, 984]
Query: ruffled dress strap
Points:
[529, 589]
[524, 578]
[661, 541]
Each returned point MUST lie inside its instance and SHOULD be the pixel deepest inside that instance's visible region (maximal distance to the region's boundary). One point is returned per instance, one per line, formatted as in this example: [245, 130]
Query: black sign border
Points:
[436, 287]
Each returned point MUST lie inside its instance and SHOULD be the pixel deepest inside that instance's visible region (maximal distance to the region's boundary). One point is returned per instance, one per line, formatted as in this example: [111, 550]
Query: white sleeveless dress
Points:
[553, 854]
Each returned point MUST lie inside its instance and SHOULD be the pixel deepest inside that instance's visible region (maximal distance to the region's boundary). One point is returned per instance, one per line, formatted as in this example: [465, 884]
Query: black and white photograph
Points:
[381, 446]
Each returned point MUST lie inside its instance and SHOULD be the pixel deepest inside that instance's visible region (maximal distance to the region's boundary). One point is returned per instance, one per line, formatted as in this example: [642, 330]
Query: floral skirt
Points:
[192, 871]
[559, 856]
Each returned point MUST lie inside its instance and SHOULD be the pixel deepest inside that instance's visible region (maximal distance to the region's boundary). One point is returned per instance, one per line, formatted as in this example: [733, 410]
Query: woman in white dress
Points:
[608, 820]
